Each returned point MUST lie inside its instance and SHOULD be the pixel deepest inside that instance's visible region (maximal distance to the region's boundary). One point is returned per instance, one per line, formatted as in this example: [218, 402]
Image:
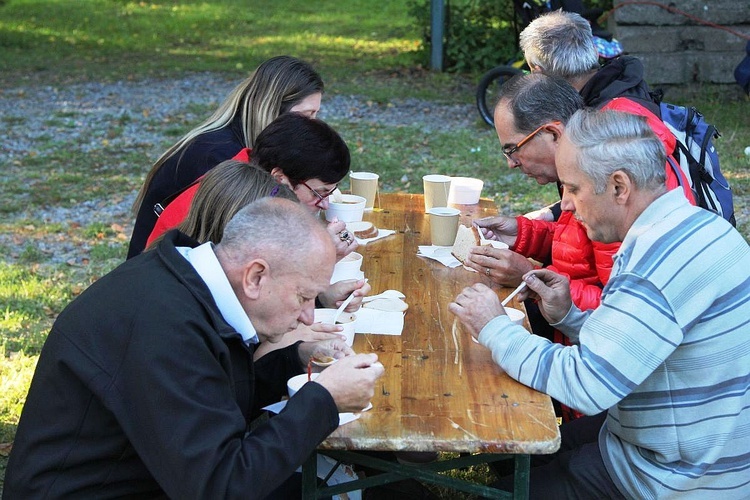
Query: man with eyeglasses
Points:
[530, 119]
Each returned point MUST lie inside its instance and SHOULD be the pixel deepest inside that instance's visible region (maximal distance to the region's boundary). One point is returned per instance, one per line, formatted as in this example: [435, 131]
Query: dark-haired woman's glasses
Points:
[320, 197]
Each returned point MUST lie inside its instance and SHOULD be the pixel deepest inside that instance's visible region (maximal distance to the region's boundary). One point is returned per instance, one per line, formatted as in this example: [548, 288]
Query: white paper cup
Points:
[295, 383]
[436, 189]
[346, 320]
[348, 268]
[465, 190]
[365, 184]
[350, 209]
[516, 315]
[443, 225]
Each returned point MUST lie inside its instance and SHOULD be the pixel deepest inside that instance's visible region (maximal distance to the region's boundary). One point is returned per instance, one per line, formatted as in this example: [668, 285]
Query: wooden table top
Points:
[441, 391]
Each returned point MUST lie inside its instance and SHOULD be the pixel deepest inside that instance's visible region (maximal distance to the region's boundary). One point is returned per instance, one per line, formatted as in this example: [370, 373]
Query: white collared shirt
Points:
[204, 261]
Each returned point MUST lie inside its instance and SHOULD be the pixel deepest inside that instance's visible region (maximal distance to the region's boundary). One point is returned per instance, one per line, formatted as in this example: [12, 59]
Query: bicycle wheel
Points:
[488, 89]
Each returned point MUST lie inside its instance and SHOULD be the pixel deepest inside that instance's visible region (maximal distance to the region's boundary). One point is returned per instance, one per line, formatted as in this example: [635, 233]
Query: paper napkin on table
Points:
[382, 233]
[376, 321]
[344, 418]
[440, 254]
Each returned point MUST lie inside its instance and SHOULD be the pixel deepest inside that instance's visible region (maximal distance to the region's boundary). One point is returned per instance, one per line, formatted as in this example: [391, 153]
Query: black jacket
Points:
[621, 77]
[179, 171]
[143, 390]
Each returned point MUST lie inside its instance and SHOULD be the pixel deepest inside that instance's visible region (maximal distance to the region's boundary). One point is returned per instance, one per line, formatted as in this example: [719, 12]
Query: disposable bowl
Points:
[351, 208]
[295, 383]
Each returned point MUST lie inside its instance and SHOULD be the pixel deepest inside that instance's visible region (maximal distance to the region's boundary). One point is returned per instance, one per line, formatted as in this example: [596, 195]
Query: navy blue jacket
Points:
[179, 171]
[143, 390]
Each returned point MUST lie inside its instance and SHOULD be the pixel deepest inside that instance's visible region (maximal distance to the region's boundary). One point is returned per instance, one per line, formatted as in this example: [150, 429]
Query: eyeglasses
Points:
[321, 197]
[507, 151]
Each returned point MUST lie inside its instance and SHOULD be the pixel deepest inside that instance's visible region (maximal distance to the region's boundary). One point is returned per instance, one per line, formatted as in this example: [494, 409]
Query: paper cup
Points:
[365, 184]
[465, 190]
[516, 316]
[436, 189]
[443, 225]
[348, 268]
[351, 208]
[346, 320]
[295, 383]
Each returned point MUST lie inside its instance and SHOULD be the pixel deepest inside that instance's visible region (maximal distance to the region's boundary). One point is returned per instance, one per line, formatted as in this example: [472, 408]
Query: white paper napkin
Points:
[382, 233]
[381, 322]
[440, 254]
[344, 418]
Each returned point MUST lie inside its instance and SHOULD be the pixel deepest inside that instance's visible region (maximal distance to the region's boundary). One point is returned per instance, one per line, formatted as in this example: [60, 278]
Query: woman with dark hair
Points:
[304, 154]
[280, 85]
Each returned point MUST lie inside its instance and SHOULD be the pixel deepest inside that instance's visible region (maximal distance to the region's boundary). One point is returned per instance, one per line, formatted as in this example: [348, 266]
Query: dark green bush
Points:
[479, 34]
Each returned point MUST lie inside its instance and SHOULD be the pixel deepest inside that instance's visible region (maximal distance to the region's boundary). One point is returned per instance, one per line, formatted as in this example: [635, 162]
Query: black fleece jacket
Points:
[143, 390]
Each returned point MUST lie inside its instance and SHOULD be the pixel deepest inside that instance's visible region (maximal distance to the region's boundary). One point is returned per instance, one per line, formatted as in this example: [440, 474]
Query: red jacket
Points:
[565, 246]
[174, 213]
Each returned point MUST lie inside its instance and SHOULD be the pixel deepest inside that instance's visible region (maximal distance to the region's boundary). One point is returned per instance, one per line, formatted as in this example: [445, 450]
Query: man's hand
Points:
[505, 266]
[351, 381]
[499, 228]
[318, 331]
[337, 293]
[551, 290]
[475, 306]
[336, 349]
[344, 241]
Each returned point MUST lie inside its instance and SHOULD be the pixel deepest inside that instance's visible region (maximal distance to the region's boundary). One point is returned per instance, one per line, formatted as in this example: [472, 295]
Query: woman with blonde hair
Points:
[279, 85]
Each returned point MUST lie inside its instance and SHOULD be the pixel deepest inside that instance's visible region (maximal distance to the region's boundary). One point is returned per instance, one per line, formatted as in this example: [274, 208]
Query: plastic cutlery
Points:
[513, 293]
[341, 308]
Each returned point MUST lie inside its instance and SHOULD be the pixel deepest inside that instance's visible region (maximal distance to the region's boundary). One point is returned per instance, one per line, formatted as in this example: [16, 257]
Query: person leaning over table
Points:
[305, 154]
[530, 118]
[224, 191]
[666, 354]
[561, 43]
[146, 385]
[279, 85]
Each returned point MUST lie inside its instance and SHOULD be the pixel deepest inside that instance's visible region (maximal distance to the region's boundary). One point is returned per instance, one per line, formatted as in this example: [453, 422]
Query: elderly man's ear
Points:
[254, 275]
[621, 186]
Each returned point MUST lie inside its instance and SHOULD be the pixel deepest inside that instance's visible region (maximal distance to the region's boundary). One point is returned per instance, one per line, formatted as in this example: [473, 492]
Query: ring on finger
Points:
[344, 236]
[487, 271]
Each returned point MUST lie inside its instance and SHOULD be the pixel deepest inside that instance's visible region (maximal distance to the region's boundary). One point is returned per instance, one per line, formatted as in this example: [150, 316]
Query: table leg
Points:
[310, 477]
[521, 477]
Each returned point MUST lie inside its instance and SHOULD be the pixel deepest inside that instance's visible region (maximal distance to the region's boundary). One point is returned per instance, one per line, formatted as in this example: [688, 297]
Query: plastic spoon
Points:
[341, 308]
[513, 293]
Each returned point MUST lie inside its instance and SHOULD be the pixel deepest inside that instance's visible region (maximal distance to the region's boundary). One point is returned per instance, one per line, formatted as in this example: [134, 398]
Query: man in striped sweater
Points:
[667, 353]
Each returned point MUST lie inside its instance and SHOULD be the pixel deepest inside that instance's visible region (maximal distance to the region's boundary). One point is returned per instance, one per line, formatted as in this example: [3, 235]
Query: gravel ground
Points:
[81, 114]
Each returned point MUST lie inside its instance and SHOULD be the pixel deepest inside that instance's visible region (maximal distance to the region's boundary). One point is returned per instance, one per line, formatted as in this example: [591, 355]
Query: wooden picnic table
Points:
[441, 391]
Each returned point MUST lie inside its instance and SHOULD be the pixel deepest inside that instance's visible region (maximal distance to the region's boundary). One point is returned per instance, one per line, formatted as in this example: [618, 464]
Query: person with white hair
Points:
[665, 355]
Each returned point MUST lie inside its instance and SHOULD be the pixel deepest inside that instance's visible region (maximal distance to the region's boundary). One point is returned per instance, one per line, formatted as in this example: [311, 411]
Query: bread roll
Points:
[362, 229]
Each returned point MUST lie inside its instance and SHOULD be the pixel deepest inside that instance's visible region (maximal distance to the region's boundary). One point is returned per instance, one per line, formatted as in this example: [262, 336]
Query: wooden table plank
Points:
[441, 391]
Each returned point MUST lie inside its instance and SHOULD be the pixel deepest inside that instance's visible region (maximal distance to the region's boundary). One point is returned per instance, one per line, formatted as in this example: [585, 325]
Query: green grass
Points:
[364, 47]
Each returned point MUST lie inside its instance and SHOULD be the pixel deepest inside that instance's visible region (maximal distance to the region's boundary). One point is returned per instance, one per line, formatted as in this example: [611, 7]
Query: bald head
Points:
[280, 231]
[277, 258]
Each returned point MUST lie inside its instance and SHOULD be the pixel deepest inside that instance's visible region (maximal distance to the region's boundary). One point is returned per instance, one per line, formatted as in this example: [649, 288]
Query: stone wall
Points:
[678, 50]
